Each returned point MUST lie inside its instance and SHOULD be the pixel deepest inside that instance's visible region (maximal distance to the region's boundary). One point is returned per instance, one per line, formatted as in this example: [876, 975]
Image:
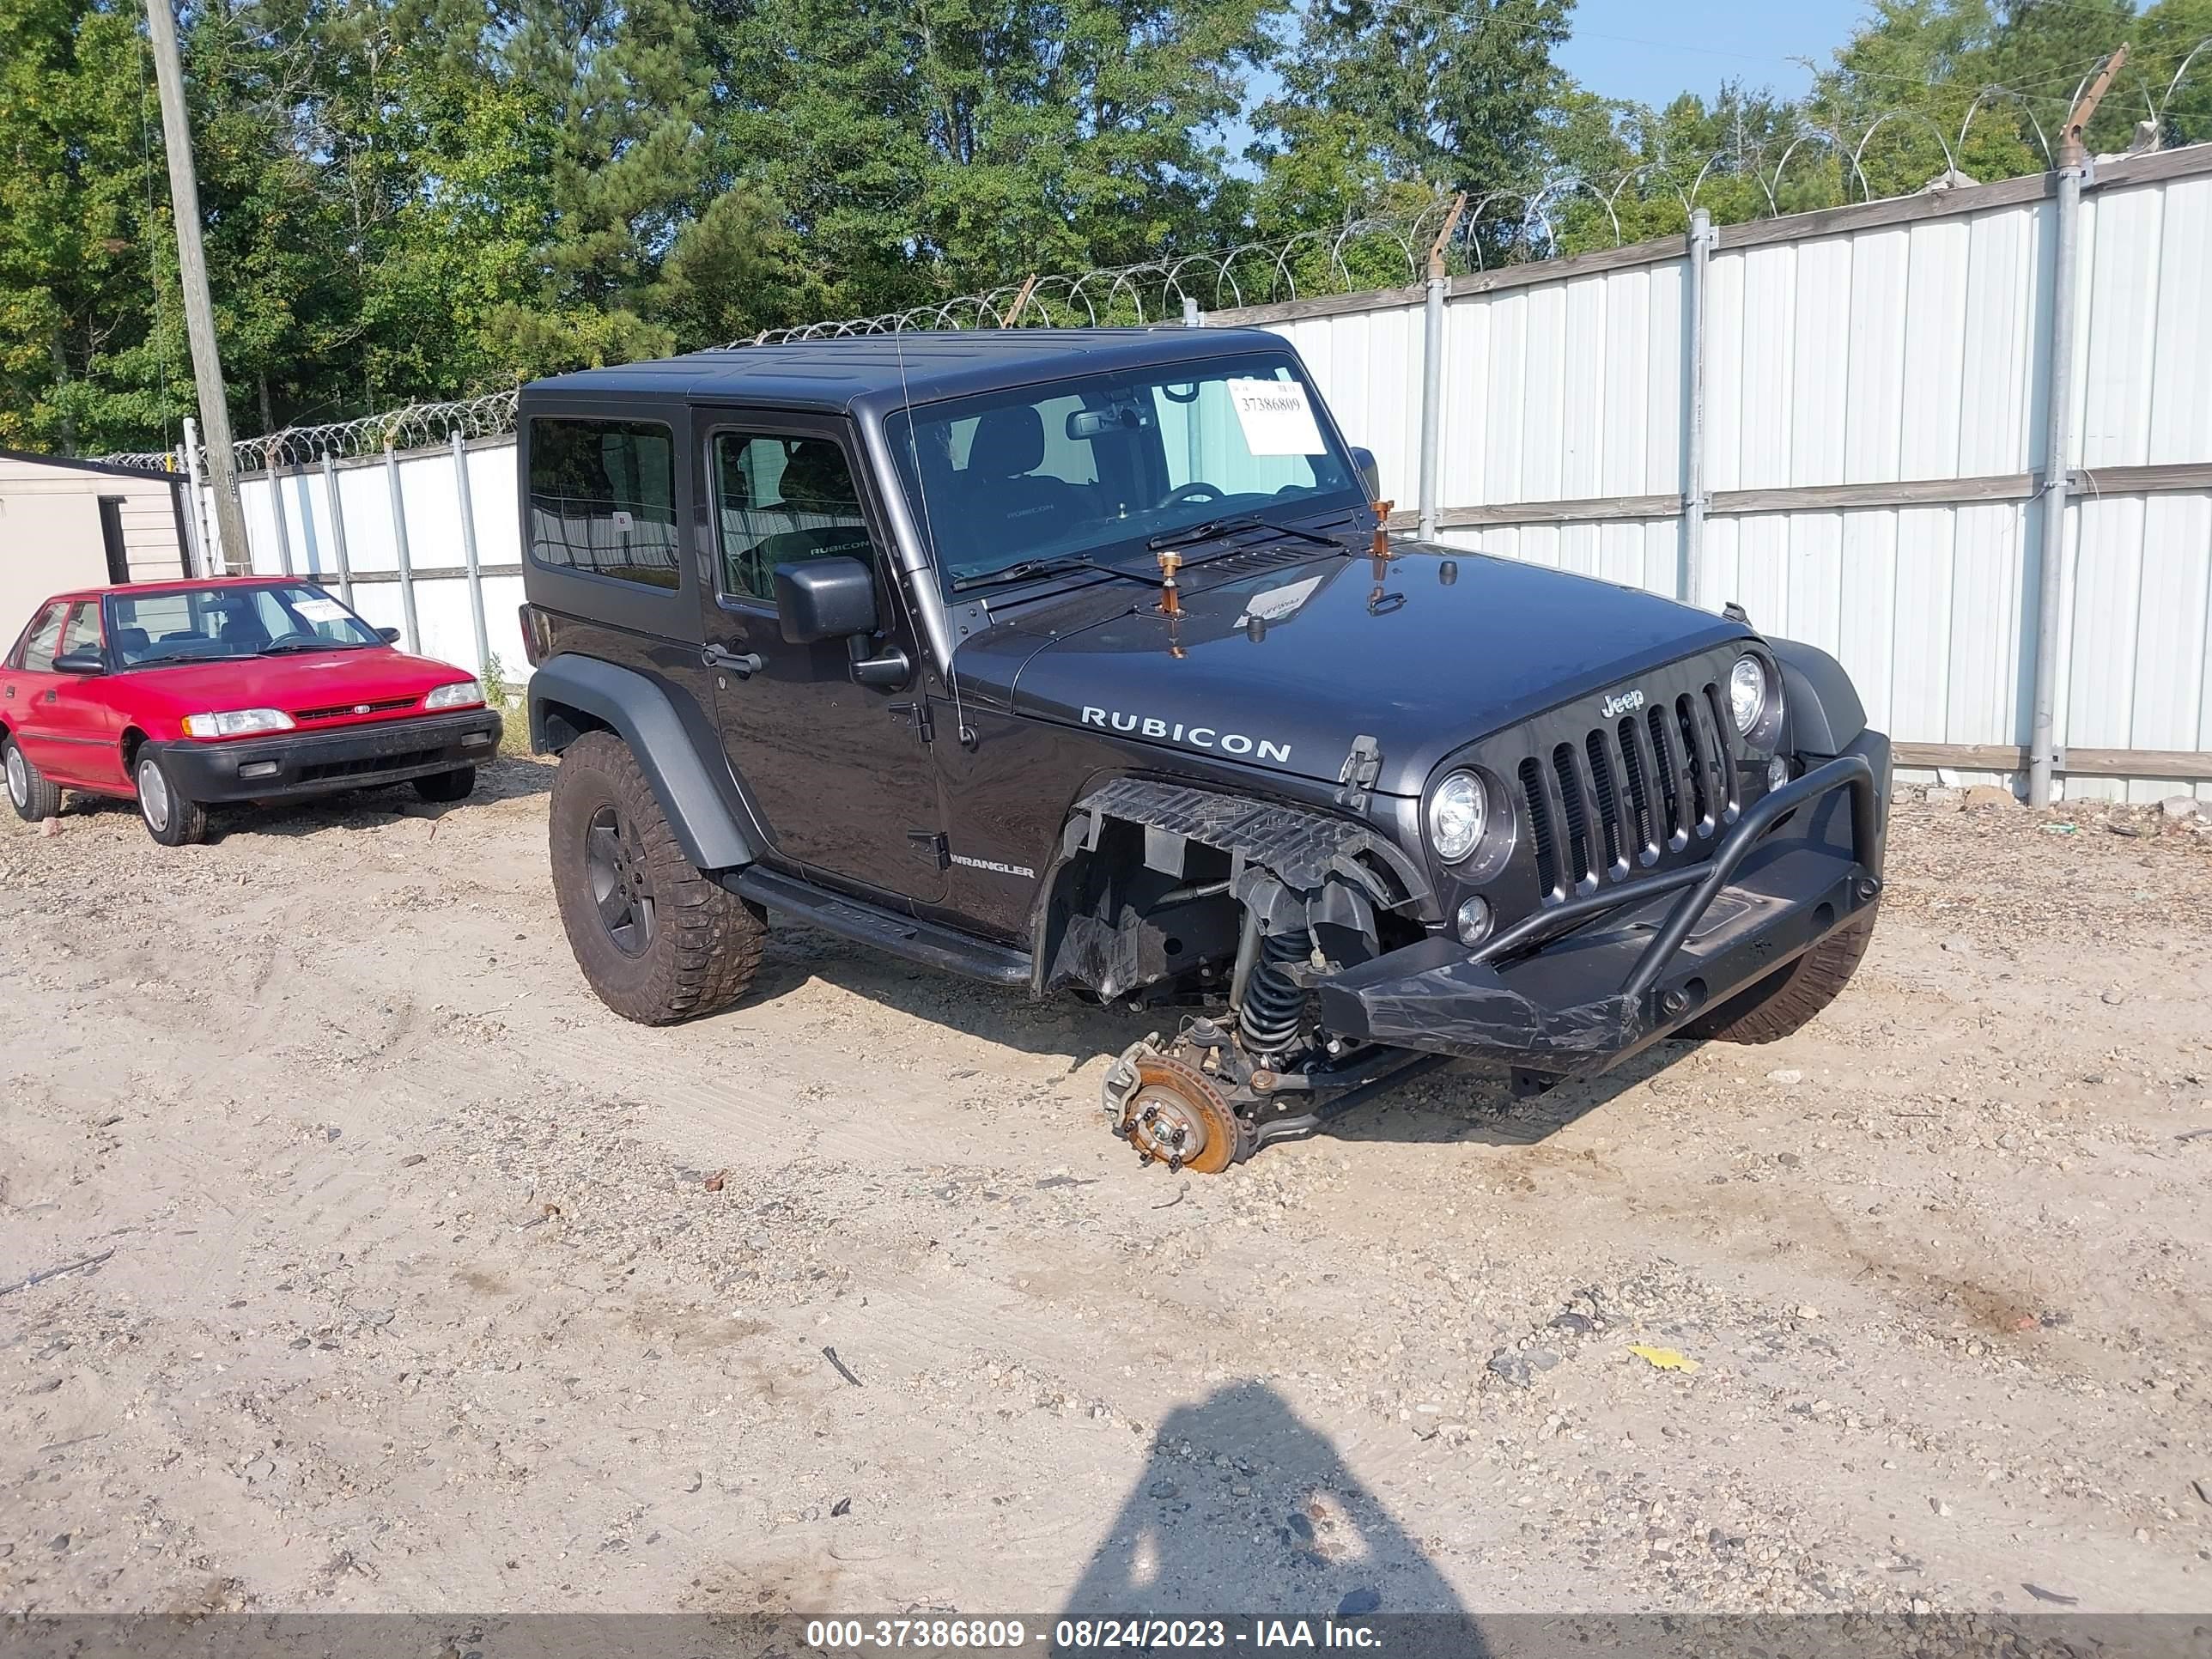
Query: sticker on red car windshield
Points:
[321, 611]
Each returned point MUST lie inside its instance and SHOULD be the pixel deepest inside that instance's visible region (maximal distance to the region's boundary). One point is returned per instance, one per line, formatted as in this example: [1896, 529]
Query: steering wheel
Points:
[1196, 490]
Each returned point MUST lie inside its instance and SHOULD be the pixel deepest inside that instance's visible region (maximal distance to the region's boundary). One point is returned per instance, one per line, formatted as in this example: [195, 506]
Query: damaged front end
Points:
[1579, 986]
[1295, 941]
[1164, 895]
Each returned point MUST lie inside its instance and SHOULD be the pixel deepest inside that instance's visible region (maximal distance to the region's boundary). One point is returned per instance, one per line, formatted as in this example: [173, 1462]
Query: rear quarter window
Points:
[603, 499]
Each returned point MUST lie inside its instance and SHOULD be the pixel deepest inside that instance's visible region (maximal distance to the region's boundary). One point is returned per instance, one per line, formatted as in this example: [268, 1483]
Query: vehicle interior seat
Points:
[822, 508]
[1001, 482]
[131, 643]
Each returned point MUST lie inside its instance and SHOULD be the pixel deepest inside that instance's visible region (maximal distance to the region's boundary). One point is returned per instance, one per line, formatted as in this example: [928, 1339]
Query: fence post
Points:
[276, 477]
[469, 549]
[2059, 435]
[211, 562]
[337, 527]
[1191, 318]
[1432, 373]
[1693, 439]
[399, 546]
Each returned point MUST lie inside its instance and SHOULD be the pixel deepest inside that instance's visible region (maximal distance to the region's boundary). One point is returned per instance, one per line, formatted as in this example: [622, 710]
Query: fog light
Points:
[1777, 773]
[475, 739]
[258, 770]
[1474, 921]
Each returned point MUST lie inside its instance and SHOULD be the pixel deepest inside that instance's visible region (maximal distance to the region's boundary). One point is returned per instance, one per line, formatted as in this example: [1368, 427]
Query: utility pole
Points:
[237, 553]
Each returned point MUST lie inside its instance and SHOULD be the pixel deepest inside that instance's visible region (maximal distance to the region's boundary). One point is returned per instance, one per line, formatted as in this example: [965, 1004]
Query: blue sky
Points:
[1649, 51]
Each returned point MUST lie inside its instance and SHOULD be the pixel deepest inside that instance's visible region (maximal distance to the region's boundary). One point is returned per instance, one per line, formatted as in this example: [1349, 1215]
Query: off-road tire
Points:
[184, 822]
[1789, 997]
[705, 942]
[30, 792]
[457, 785]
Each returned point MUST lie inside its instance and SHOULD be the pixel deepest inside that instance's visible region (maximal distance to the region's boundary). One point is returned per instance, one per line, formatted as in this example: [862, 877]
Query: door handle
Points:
[744, 665]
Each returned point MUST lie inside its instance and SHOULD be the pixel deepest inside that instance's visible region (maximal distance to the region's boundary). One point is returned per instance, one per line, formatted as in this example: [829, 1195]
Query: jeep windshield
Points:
[1096, 470]
[225, 621]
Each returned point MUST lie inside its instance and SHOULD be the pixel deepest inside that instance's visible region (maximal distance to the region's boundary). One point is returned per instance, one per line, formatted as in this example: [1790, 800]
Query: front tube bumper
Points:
[1575, 988]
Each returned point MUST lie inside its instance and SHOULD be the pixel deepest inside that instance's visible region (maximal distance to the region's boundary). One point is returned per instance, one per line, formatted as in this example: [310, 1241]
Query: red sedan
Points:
[181, 694]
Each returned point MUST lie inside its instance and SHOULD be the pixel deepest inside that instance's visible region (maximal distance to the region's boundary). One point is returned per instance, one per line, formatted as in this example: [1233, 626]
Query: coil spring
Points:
[1274, 1004]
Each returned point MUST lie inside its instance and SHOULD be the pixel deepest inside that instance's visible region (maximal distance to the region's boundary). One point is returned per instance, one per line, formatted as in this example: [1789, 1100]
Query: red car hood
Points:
[293, 682]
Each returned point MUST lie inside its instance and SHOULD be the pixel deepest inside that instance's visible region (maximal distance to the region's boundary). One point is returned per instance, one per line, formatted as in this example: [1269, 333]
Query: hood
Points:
[291, 682]
[1284, 668]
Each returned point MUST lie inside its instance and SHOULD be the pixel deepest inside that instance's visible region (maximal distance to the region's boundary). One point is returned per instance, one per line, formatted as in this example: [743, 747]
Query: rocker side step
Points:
[856, 919]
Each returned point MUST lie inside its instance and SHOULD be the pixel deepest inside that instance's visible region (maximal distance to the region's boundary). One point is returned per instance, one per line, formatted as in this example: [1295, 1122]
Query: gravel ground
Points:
[424, 1283]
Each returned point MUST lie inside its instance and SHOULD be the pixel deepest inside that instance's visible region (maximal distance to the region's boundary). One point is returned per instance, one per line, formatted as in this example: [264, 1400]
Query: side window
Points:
[603, 499]
[778, 501]
[44, 640]
[82, 632]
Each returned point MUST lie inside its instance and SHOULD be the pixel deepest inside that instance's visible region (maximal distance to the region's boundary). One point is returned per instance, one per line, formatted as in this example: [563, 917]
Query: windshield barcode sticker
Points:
[1276, 417]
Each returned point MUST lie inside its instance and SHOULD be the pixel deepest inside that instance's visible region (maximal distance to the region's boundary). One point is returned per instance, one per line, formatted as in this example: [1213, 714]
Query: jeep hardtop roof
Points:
[880, 373]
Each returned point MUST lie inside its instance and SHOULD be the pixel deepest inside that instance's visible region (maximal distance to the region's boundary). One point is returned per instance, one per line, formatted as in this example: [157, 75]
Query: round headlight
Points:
[1747, 692]
[1457, 813]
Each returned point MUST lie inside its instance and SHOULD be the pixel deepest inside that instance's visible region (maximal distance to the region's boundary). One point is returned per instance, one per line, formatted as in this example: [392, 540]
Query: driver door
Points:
[842, 775]
[80, 717]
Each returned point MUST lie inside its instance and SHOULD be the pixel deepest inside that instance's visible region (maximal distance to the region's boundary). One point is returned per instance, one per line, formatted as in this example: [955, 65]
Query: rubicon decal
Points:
[1620, 702]
[1198, 736]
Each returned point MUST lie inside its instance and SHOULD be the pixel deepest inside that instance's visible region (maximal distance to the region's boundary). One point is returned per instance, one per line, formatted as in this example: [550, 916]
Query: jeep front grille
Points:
[1629, 793]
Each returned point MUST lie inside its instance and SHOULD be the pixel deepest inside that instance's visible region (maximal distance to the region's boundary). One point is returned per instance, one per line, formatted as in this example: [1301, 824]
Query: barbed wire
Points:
[1378, 249]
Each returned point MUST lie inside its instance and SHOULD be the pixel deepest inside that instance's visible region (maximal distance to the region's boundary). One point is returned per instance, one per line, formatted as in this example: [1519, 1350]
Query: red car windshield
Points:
[215, 624]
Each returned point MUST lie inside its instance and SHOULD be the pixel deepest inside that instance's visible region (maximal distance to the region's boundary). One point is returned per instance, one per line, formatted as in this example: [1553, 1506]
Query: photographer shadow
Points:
[1259, 1517]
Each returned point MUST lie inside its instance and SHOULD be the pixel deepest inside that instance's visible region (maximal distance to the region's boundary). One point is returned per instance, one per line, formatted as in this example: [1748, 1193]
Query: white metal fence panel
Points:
[1902, 343]
[436, 551]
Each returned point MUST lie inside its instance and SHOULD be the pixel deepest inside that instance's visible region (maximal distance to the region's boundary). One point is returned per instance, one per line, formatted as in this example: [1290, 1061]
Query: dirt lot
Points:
[420, 1297]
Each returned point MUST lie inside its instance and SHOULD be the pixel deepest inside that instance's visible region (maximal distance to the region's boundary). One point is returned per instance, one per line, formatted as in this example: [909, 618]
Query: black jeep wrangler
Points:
[1080, 661]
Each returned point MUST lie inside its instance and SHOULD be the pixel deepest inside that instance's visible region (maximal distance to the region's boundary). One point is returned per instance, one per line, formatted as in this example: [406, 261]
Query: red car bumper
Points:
[294, 763]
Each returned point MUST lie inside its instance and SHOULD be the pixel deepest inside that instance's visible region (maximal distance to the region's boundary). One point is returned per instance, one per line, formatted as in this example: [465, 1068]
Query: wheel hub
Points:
[1171, 1113]
[19, 781]
[153, 794]
[621, 884]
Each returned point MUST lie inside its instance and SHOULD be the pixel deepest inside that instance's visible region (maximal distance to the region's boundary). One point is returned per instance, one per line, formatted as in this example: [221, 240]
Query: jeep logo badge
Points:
[1620, 702]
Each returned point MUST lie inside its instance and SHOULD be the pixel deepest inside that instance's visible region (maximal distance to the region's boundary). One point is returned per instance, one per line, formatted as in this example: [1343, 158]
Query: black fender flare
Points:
[639, 711]
[1825, 716]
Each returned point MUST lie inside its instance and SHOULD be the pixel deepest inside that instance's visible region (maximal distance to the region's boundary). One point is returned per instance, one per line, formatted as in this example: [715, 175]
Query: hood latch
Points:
[1358, 775]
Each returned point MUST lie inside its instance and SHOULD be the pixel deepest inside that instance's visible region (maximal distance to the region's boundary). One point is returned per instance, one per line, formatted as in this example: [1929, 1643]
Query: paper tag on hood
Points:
[1276, 417]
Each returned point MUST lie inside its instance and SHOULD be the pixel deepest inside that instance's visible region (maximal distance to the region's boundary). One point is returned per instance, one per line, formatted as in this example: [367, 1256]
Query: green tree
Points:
[925, 147]
[80, 357]
[1445, 94]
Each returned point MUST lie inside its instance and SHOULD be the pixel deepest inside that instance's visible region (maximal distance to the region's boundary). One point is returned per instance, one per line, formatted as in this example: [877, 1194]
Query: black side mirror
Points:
[1371, 474]
[824, 599]
[85, 660]
[389, 636]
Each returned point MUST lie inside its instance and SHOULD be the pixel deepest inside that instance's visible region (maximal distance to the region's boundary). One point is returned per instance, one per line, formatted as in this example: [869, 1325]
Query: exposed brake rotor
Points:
[1172, 1112]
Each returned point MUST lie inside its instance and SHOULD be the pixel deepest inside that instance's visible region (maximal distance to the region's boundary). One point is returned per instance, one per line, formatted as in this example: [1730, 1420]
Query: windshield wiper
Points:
[1214, 529]
[295, 642]
[166, 657]
[1043, 568]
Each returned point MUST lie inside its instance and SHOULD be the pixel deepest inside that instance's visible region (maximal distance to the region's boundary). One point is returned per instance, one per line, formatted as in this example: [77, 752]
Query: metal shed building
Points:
[68, 524]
